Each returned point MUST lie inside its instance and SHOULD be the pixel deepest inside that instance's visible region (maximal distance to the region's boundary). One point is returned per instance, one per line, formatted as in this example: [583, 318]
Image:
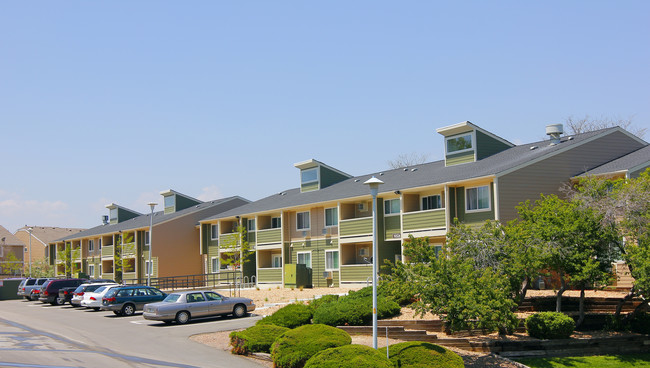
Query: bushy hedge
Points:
[550, 325]
[640, 323]
[325, 299]
[290, 316]
[416, 354]
[349, 356]
[295, 347]
[354, 311]
[256, 339]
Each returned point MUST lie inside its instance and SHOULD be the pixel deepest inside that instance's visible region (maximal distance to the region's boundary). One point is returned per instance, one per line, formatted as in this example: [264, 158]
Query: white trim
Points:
[392, 213]
[426, 196]
[212, 233]
[305, 252]
[212, 269]
[496, 200]
[489, 208]
[472, 134]
[273, 257]
[637, 167]
[325, 217]
[317, 180]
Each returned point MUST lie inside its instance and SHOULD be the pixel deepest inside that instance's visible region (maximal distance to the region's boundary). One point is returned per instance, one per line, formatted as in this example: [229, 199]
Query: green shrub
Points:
[402, 293]
[256, 339]
[640, 323]
[325, 299]
[354, 311]
[291, 316]
[296, 346]
[416, 354]
[550, 325]
[349, 356]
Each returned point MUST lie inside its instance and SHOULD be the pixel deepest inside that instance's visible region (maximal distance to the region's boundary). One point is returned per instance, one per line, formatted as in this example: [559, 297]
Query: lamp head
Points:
[373, 183]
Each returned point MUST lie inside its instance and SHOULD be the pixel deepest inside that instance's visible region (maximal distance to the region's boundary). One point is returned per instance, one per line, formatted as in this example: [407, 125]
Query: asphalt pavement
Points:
[37, 335]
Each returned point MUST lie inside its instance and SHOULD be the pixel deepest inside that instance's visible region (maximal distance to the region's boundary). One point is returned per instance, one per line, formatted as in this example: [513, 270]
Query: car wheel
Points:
[182, 317]
[60, 301]
[55, 301]
[128, 310]
[239, 311]
[117, 313]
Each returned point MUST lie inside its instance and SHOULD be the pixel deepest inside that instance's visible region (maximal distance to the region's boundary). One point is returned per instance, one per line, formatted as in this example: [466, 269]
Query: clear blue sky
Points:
[116, 101]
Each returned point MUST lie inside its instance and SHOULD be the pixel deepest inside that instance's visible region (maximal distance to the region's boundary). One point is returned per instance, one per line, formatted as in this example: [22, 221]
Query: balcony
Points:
[356, 273]
[228, 240]
[129, 248]
[75, 254]
[269, 236]
[107, 251]
[356, 227]
[423, 220]
[269, 274]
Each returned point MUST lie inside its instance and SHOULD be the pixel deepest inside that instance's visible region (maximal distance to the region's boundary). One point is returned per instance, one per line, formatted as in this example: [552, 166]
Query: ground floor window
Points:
[91, 270]
[304, 258]
[277, 261]
[147, 268]
[214, 262]
[478, 198]
[331, 260]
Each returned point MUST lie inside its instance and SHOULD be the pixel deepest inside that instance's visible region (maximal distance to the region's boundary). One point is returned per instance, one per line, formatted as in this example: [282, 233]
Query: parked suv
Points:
[50, 292]
[125, 300]
[25, 289]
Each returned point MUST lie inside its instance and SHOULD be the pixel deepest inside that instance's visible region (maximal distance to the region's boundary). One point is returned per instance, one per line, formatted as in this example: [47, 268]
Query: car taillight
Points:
[23, 289]
[65, 293]
[92, 298]
[79, 294]
[36, 291]
[110, 300]
[46, 293]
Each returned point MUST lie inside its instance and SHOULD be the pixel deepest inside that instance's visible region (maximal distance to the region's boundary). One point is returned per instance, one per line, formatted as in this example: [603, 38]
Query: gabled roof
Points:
[432, 173]
[9, 238]
[47, 234]
[630, 162]
[144, 220]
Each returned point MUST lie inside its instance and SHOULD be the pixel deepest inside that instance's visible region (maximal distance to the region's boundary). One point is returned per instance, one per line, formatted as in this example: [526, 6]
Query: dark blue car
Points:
[125, 300]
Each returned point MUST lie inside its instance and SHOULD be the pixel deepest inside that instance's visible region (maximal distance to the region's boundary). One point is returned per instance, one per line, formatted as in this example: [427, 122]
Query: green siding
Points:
[269, 275]
[269, 236]
[250, 238]
[488, 146]
[228, 240]
[635, 174]
[392, 226]
[107, 251]
[129, 248]
[309, 187]
[431, 219]
[212, 252]
[317, 248]
[123, 215]
[248, 266]
[169, 210]
[329, 177]
[459, 158]
[184, 202]
[362, 226]
[473, 218]
[356, 273]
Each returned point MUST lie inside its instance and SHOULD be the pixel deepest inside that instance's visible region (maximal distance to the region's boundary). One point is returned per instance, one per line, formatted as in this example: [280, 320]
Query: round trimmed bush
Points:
[418, 354]
[325, 299]
[295, 347]
[550, 325]
[349, 356]
[290, 316]
[256, 339]
[354, 311]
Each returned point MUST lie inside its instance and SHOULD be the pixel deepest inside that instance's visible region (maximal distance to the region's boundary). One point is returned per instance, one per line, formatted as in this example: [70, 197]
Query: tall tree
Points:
[406, 160]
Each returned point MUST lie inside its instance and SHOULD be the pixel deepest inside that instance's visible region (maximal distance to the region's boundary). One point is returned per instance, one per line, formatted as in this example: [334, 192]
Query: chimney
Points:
[554, 131]
[105, 219]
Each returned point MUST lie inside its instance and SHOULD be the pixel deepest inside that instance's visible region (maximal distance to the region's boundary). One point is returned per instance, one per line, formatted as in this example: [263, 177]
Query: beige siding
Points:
[548, 175]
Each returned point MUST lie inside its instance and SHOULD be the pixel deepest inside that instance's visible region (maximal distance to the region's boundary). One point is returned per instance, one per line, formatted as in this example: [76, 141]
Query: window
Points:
[459, 143]
[100, 243]
[91, 245]
[437, 249]
[331, 217]
[331, 260]
[211, 295]
[215, 264]
[277, 261]
[302, 220]
[195, 297]
[214, 232]
[146, 238]
[309, 176]
[113, 214]
[478, 198]
[251, 225]
[170, 201]
[147, 268]
[304, 258]
[91, 270]
[276, 223]
[431, 202]
[100, 270]
[391, 206]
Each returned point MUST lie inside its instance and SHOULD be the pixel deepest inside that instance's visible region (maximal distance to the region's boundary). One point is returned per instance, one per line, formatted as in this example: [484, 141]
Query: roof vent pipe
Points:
[554, 131]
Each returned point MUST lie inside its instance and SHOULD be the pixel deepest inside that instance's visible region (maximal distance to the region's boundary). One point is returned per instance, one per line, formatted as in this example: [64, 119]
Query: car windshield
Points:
[111, 293]
[171, 298]
[80, 288]
[100, 289]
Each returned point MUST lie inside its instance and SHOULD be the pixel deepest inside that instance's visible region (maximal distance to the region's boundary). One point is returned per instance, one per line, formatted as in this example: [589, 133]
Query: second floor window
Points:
[100, 243]
[302, 219]
[459, 143]
[251, 225]
[331, 217]
[91, 245]
[431, 202]
[146, 238]
[112, 214]
[309, 176]
[276, 223]
[214, 232]
[391, 206]
[478, 198]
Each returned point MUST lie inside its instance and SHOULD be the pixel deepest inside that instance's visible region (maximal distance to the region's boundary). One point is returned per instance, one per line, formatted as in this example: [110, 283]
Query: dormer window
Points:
[309, 176]
[460, 143]
[112, 214]
[170, 201]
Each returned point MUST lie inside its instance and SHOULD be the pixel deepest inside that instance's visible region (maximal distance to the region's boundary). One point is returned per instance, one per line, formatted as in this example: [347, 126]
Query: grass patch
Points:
[600, 361]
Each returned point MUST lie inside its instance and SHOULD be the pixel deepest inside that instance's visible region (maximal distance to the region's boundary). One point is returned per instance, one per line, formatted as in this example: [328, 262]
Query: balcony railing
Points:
[429, 219]
[129, 248]
[269, 236]
[107, 251]
[358, 226]
[228, 240]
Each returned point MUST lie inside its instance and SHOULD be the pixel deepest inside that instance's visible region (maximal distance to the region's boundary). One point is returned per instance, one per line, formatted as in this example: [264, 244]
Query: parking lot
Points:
[33, 334]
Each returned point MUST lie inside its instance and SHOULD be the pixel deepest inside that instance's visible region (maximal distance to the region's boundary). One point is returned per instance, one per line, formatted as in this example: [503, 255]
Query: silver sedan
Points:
[183, 306]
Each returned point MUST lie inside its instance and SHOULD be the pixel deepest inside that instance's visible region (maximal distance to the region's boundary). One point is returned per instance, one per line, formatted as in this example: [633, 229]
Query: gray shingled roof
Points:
[144, 220]
[47, 234]
[625, 163]
[425, 174]
[9, 238]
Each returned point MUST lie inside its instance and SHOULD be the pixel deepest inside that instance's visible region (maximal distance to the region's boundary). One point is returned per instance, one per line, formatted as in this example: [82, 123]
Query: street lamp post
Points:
[374, 183]
[29, 230]
[150, 270]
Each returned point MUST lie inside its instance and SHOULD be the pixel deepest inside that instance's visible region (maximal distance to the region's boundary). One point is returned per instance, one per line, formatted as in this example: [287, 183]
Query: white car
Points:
[87, 288]
[94, 299]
